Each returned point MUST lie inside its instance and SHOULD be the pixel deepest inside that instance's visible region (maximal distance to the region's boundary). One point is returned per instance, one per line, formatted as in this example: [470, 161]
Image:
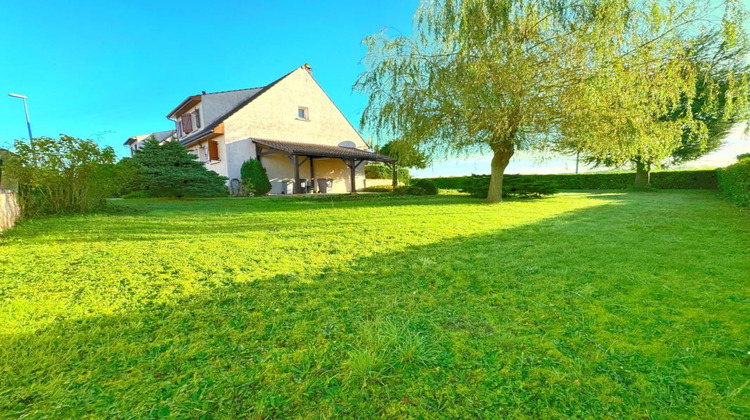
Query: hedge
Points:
[704, 179]
[380, 171]
[734, 181]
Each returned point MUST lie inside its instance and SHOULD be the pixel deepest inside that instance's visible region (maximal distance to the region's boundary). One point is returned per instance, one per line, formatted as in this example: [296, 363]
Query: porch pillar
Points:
[312, 175]
[353, 169]
[297, 188]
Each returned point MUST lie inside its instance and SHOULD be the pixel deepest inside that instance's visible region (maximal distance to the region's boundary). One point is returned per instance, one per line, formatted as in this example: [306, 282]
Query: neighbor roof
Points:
[160, 136]
[322, 150]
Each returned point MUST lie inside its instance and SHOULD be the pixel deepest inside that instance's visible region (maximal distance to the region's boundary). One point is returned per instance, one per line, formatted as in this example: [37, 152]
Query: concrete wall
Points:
[9, 210]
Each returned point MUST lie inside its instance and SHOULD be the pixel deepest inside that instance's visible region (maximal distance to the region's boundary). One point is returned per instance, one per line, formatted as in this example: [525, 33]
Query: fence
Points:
[9, 209]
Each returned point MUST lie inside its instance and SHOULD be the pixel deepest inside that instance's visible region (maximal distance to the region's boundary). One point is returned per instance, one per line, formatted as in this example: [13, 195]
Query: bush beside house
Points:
[254, 178]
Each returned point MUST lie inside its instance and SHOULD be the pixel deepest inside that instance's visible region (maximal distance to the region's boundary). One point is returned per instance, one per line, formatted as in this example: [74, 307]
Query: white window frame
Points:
[306, 112]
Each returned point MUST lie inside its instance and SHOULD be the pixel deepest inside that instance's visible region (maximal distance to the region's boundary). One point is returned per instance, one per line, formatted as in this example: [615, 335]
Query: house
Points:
[136, 142]
[291, 125]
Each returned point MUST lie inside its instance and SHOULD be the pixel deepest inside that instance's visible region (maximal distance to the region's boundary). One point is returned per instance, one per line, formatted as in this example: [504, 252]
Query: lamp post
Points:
[26, 110]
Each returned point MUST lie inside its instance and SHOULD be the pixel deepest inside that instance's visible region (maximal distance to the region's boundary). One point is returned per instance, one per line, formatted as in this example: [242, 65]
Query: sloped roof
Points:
[160, 136]
[252, 94]
[321, 150]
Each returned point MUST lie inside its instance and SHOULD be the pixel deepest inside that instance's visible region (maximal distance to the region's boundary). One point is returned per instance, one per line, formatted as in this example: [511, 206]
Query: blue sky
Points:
[111, 69]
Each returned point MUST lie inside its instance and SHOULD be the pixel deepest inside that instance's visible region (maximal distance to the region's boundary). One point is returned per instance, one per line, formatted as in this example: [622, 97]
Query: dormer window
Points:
[197, 117]
[303, 114]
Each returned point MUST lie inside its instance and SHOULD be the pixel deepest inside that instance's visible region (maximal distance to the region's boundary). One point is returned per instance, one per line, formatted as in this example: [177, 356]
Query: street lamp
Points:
[26, 109]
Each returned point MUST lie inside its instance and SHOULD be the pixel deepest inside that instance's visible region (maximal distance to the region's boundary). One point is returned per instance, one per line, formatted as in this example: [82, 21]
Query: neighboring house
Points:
[136, 142]
[290, 125]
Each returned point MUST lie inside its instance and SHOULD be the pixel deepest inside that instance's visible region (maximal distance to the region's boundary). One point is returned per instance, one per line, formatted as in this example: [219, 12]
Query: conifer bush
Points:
[255, 178]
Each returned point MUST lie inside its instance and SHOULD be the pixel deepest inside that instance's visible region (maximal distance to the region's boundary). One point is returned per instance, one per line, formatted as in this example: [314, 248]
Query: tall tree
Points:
[405, 154]
[693, 124]
[502, 75]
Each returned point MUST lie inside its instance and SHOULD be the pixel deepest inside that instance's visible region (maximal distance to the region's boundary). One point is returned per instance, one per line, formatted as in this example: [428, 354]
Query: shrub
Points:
[255, 178]
[418, 187]
[169, 170]
[378, 171]
[704, 179]
[530, 187]
[734, 181]
[379, 188]
[126, 176]
[743, 156]
[59, 176]
[382, 171]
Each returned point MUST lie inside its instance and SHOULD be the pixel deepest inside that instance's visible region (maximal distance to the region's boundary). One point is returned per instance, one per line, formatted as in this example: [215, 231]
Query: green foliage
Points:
[715, 104]
[136, 194]
[379, 307]
[255, 178]
[67, 175]
[378, 171]
[734, 181]
[379, 188]
[406, 155]
[524, 187]
[701, 179]
[169, 170]
[126, 177]
[484, 75]
[418, 187]
[743, 156]
[382, 171]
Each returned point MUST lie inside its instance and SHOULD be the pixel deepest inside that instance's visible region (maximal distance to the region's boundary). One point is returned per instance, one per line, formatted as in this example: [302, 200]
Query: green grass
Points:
[588, 305]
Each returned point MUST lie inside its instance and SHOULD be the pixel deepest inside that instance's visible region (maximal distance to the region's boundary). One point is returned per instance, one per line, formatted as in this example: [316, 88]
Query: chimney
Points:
[308, 68]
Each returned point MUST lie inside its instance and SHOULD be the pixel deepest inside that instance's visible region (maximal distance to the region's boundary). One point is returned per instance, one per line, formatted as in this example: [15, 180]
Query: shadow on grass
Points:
[593, 313]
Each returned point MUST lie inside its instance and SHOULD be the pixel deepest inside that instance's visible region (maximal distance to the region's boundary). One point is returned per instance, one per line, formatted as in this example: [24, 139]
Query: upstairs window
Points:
[302, 113]
[186, 123]
[197, 117]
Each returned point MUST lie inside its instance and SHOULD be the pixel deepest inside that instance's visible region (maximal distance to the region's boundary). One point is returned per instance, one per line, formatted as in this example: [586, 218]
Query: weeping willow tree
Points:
[502, 75]
[668, 101]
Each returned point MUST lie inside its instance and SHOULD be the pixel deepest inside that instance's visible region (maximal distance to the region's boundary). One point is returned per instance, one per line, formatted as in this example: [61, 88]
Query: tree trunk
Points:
[502, 153]
[642, 175]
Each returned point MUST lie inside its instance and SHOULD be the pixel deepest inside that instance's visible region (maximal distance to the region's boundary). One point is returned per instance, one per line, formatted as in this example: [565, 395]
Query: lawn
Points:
[603, 305]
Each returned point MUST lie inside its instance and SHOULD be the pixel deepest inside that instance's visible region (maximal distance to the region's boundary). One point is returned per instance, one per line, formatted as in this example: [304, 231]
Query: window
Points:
[302, 113]
[197, 117]
[186, 122]
[213, 151]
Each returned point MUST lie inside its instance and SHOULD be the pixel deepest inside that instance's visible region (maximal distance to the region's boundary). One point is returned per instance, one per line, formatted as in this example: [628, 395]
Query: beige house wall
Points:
[273, 115]
[219, 166]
